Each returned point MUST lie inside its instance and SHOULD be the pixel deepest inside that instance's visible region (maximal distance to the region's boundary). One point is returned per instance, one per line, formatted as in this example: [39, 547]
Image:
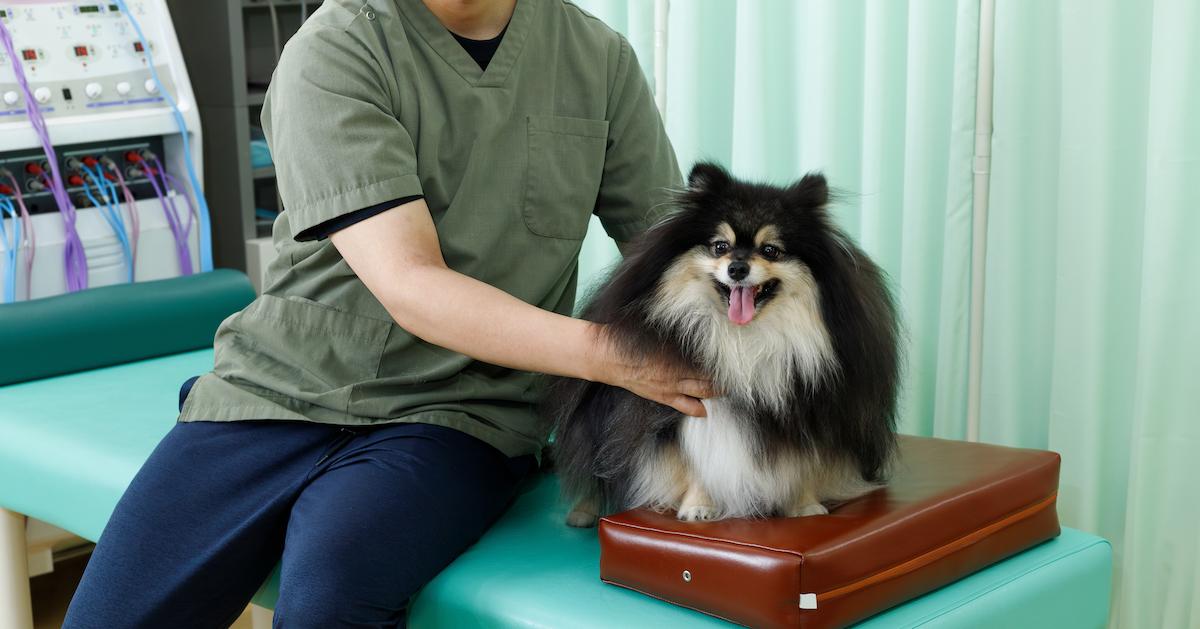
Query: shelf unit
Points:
[229, 48]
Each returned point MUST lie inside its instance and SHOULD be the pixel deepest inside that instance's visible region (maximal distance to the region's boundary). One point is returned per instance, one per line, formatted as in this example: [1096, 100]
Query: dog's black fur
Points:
[851, 413]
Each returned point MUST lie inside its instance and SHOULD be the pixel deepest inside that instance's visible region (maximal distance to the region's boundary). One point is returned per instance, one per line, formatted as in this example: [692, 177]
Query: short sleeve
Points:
[336, 142]
[337, 224]
[640, 168]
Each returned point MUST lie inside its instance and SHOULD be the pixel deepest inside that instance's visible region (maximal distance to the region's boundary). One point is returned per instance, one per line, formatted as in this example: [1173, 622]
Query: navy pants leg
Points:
[361, 519]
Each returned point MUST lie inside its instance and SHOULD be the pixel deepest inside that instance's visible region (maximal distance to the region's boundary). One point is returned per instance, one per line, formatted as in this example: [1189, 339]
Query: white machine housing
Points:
[88, 50]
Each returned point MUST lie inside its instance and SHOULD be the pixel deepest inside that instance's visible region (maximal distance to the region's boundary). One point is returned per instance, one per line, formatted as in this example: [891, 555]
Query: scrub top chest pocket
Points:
[566, 164]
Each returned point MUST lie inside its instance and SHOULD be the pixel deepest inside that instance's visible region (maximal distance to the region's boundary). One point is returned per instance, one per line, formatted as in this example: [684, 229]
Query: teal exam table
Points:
[69, 444]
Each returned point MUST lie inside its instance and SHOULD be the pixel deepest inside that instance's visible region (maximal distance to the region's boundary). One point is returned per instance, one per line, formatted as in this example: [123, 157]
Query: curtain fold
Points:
[880, 96]
[1162, 500]
[1092, 321]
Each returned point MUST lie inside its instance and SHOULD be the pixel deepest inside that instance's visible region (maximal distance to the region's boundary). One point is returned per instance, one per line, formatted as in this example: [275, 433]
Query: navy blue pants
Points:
[361, 519]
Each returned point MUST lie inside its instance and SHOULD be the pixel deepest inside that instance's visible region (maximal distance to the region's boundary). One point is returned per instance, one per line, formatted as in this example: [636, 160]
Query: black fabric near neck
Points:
[481, 50]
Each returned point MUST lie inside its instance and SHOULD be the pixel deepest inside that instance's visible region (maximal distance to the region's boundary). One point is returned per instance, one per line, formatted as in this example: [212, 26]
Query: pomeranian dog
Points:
[754, 286]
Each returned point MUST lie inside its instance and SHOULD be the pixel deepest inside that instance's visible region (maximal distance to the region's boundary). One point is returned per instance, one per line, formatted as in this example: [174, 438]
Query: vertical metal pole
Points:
[979, 212]
[662, 9]
[16, 610]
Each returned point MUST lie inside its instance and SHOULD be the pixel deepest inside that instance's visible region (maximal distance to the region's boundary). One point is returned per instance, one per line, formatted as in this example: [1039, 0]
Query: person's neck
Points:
[473, 19]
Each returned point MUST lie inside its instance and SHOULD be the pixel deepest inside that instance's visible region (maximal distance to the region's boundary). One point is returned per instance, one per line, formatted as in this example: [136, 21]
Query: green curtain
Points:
[1092, 319]
[1091, 335]
[878, 95]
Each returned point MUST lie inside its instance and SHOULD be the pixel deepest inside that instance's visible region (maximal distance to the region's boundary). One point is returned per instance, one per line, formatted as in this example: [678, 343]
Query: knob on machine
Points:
[84, 67]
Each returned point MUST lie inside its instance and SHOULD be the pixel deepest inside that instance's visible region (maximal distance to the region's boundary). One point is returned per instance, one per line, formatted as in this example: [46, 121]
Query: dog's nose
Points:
[738, 270]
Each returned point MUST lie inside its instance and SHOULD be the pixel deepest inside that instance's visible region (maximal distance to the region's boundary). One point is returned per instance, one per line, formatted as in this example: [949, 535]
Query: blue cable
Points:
[10, 286]
[108, 192]
[104, 211]
[116, 208]
[111, 214]
[111, 188]
[201, 202]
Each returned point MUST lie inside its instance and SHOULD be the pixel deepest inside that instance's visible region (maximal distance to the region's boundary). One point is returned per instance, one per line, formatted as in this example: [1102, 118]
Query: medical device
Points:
[100, 135]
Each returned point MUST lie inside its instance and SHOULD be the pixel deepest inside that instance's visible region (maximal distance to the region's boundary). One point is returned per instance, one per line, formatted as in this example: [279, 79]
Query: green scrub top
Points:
[374, 102]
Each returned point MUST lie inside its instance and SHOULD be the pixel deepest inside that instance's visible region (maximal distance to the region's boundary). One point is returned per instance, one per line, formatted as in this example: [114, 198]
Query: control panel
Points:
[123, 206]
[77, 56]
[133, 157]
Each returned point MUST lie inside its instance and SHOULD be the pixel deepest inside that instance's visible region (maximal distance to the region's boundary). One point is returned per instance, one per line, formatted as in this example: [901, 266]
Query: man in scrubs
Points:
[372, 413]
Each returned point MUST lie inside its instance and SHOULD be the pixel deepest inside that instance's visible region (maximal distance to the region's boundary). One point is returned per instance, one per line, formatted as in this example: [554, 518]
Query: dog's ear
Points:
[811, 191]
[708, 177]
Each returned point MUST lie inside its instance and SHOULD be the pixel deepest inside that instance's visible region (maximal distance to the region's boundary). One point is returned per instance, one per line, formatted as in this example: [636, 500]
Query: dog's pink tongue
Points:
[741, 305]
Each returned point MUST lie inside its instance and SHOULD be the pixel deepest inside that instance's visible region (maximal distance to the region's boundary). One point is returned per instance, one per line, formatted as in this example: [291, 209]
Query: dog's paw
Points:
[697, 513]
[815, 508]
[581, 519]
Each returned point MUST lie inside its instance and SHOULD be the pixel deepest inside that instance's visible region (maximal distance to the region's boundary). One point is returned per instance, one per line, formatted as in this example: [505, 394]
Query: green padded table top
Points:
[69, 445]
[531, 570]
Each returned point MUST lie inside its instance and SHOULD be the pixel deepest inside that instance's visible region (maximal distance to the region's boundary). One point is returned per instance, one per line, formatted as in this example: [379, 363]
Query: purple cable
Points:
[131, 204]
[30, 238]
[76, 262]
[166, 187]
[181, 245]
[172, 221]
[75, 259]
[172, 185]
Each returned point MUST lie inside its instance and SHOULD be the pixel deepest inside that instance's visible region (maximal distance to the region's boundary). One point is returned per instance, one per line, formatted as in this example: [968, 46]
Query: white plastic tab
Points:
[808, 600]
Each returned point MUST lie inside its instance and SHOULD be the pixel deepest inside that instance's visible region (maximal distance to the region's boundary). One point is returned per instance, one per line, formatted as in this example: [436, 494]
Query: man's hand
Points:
[397, 256]
[662, 383]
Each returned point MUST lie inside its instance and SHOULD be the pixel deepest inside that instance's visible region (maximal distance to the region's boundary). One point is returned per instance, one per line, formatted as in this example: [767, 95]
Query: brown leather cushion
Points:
[951, 508]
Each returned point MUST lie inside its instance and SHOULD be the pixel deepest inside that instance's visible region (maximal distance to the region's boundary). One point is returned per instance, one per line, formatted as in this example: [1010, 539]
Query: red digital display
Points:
[137, 47]
[81, 51]
[29, 54]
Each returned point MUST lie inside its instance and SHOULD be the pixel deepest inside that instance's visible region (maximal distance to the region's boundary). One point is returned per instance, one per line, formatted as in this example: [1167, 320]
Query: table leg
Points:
[16, 609]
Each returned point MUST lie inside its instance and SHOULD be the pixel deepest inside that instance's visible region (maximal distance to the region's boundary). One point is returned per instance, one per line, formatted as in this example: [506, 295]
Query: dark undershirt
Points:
[482, 51]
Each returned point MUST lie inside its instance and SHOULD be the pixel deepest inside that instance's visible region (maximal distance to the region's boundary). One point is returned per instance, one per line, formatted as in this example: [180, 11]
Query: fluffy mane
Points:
[819, 375]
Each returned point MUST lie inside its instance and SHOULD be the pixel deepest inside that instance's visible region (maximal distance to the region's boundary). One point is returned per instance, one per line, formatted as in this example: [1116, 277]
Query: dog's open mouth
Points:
[744, 301]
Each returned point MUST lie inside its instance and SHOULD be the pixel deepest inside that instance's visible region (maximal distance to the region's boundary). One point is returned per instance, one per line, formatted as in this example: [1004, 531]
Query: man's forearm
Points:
[397, 256]
[446, 308]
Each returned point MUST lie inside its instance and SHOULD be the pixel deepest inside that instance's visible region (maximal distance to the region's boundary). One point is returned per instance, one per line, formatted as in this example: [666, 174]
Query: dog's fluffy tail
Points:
[574, 442]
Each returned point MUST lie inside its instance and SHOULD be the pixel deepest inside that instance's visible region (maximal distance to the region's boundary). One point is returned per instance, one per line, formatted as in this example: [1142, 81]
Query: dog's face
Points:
[748, 265]
[746, 248]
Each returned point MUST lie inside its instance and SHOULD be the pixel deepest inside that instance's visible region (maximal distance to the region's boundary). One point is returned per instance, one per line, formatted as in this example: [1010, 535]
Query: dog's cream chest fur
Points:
[724, 459]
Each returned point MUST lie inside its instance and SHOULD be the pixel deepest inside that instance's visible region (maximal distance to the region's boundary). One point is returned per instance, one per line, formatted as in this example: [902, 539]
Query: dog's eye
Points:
[770, 252]
[720, 247]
